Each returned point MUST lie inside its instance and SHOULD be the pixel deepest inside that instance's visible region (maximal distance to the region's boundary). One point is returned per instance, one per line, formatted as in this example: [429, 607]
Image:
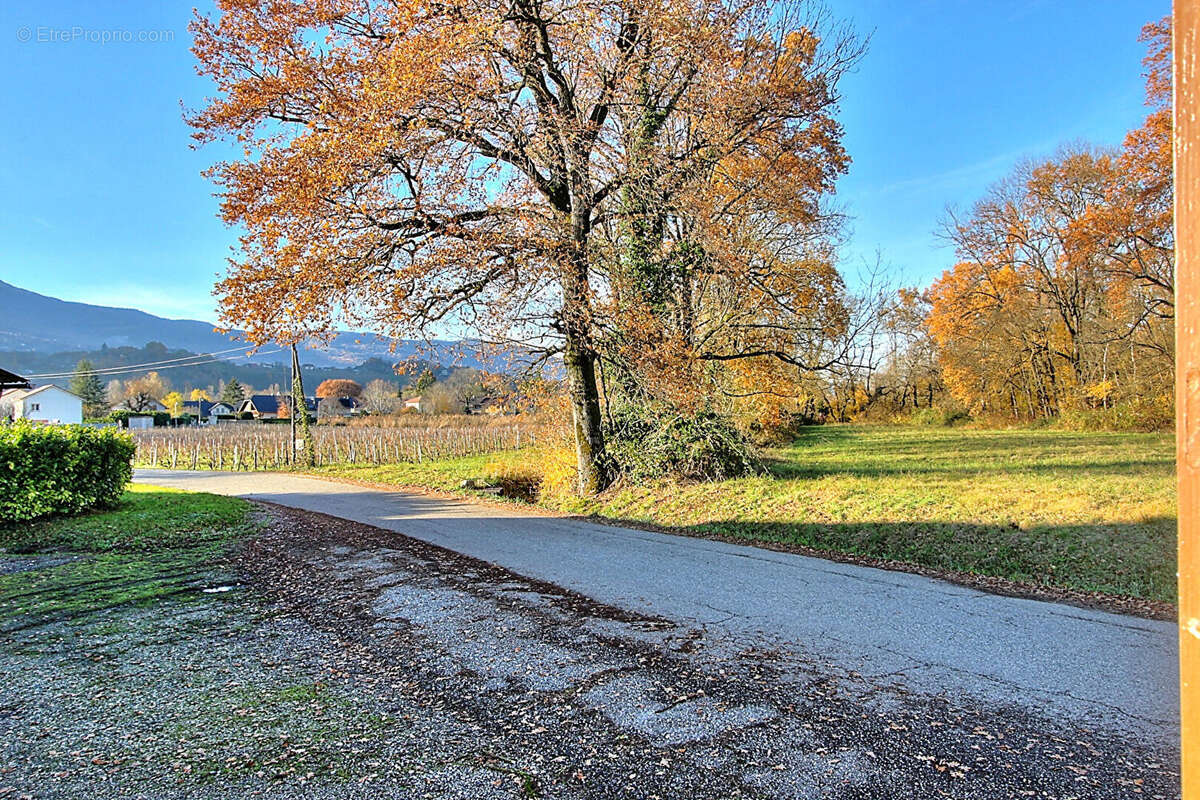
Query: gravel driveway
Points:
[346, 661]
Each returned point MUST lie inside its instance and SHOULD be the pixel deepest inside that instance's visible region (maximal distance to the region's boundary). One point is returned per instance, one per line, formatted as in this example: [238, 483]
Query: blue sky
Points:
[101, 199]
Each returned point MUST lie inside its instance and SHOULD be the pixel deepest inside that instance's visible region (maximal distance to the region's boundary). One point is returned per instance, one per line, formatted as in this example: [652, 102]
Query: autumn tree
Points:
[910, 374]
[174, 403]
[339, 387]
[1027, 279]
[143, 392]
[412, 165]
[725, 270]
[423, 381]
[1134, 226]
[1064, 295]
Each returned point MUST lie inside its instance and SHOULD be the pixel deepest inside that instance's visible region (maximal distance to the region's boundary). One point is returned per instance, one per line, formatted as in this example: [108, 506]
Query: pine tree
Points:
[232, 394]
[86, 384]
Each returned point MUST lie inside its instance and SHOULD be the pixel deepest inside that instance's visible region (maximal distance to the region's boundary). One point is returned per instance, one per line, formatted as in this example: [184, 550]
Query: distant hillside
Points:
[181, 373]
[34, 323]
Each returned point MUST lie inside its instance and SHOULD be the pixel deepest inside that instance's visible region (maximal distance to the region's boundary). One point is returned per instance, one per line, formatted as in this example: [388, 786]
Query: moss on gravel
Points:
[156, 544]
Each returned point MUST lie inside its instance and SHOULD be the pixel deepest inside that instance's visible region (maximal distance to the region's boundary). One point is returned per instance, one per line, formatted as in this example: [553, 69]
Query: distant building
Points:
[417, 403]
[206, 410]
[260, 406]
[47, 404]
[492, 406]
[11, 380]
[338, 407]
[273, 406]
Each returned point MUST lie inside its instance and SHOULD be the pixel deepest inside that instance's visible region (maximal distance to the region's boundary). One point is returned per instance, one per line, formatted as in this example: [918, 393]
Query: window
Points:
[35, 406]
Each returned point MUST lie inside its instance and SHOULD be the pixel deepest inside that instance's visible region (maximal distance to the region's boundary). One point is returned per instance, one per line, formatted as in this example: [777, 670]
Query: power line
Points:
[190, 361]
[151, 363]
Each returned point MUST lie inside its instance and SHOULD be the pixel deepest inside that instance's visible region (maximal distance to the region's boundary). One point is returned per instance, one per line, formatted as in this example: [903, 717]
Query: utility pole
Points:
[292, 415]
[1185, 52]
[308, 457]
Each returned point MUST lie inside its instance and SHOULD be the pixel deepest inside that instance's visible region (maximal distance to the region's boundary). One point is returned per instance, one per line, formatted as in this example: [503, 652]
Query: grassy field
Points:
[1092, 512]
[155, 544]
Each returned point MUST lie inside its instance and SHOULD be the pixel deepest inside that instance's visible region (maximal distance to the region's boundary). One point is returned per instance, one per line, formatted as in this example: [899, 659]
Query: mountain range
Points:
[35, 323]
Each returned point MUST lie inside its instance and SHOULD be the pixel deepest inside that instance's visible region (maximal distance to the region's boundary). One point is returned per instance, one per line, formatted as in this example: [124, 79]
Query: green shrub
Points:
[1140, 414]
[61, 469]
[645, 443]
[940, 417]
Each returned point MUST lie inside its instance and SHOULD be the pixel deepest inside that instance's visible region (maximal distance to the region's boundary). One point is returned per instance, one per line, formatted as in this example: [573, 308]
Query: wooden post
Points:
[1187, 377]
[292, 414]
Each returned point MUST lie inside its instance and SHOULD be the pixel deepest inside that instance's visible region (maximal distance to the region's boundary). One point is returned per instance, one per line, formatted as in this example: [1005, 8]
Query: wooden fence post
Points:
[1187, 377]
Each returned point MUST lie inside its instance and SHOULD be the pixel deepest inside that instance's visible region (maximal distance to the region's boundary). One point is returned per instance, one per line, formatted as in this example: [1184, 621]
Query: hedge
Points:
[61, 469]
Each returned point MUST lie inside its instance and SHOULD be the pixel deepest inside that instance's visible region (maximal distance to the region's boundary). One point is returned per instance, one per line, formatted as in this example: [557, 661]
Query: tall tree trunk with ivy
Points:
[307, 457]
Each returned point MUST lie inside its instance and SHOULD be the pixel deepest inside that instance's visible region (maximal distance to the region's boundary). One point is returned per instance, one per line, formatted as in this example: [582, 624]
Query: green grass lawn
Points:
[156, 542]
[1084, 511]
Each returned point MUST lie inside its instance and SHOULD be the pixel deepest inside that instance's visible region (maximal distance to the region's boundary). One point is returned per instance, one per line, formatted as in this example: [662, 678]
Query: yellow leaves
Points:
[1101, 392]
[174, 403]
[1157, 37]
[802, 44]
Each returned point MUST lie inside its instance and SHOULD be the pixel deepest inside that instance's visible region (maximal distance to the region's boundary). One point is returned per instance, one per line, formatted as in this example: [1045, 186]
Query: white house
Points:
[417, 403]
[207, 411]
[48, 403]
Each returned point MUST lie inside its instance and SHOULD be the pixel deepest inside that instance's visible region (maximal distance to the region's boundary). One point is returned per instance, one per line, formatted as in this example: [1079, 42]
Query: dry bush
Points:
[543, 472]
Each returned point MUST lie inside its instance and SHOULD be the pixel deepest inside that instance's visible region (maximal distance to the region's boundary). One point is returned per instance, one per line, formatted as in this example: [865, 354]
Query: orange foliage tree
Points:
[1134, 226]
[1065, 295]
[339, 387]
[492, 166]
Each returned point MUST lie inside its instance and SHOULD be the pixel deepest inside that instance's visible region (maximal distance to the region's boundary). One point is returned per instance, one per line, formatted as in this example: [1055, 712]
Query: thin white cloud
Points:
[965, 175]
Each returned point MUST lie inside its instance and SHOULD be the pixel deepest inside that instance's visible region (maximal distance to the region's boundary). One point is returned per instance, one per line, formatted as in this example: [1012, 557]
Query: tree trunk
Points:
[580, 363]
[579, 359]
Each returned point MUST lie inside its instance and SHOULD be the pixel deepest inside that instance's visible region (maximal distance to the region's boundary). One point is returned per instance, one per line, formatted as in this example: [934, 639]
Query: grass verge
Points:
[1087, 512]
[156, 543]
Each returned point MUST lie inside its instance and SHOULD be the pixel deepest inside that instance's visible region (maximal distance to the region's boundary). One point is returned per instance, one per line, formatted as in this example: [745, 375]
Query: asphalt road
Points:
[1088, 668]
